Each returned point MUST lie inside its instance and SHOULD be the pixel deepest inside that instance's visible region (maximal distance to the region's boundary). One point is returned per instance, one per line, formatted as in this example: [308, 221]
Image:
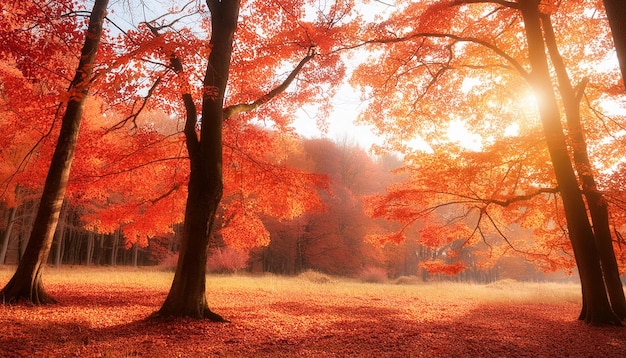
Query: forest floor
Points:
[103, 314]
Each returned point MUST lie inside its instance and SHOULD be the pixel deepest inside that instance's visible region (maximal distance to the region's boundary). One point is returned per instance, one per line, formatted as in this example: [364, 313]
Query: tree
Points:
[596, 203]
[187, 294]
[596, 307]
[26, 283]
[205, 187]
[451, 44]
[616, 12]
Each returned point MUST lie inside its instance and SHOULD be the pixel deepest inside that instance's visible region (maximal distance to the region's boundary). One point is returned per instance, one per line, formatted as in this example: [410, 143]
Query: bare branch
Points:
[133, 116]
[247, 107]
[192, 140]
[500, 52]
[509, 4]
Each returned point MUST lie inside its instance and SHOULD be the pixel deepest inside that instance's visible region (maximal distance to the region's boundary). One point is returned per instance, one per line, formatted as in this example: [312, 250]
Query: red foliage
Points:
[437, 266]
[227, 260]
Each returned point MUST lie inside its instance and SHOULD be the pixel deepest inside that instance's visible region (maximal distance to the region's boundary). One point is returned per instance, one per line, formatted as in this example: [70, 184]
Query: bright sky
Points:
[341, 123]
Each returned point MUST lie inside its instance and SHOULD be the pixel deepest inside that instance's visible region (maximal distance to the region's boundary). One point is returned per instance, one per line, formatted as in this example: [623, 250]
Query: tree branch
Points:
[191, 120]
[522, 197]
[509, 4]
[247, 107]
[500, 52]
[133, 116]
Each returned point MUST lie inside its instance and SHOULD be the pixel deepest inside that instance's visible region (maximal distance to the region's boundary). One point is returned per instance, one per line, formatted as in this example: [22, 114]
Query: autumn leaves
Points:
[203, 112]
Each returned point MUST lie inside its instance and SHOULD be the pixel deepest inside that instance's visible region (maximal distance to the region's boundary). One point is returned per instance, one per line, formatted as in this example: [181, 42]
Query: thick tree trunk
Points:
[596, 204]
[616, 12]
[596, 304]
[7, 235]
[26, 283]
[186, 297]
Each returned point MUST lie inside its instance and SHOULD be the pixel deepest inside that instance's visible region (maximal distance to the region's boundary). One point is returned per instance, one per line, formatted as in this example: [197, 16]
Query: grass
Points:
[309, 283]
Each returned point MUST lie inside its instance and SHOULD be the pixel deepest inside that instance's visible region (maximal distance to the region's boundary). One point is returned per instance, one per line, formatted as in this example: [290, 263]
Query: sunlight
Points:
[512, 130]
[528, 100]
[469, 83]
[419, 144]
[458, 133]
[613, 107]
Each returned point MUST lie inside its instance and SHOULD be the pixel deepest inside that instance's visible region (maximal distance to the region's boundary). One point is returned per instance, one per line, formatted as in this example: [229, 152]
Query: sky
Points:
[341, 122]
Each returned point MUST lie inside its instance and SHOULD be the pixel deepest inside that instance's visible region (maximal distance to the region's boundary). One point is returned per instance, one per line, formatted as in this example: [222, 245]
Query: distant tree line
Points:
[332, 240]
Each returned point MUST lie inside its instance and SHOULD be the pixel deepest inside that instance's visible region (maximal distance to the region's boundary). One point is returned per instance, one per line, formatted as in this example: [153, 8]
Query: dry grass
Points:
[504, 291]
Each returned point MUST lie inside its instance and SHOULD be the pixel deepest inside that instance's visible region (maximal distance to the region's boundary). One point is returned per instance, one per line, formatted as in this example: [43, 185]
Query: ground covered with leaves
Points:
[103, 314]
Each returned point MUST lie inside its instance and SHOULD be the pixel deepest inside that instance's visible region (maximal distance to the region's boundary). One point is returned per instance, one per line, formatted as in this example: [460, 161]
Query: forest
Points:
[164, 133]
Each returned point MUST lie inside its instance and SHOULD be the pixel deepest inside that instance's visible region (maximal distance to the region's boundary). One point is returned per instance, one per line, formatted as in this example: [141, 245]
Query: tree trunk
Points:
[60, 235]
[27, 222]
[116, 239]
[26, 283]
[186, 297]
[597, 307]
[616, 12]
[596, 204]
[7, 235]
[135, 254]
[90, 247]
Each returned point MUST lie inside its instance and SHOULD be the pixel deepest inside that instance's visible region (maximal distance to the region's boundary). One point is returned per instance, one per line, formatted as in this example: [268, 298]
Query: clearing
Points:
[103, 310]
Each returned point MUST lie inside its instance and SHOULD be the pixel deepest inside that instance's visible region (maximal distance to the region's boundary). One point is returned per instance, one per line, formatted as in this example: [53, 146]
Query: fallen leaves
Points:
[109, 320]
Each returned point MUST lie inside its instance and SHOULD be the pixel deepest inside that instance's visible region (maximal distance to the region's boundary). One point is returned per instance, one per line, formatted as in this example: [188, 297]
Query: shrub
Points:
[373, 275]
[168, 263]
[227, 260]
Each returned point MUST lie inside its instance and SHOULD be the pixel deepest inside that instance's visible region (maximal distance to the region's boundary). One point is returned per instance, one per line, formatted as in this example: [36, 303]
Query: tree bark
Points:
[27, 214]
[135, 255]
[186, 297]
[114, 244]
[596, 204]
[26, 283]
[597, 307]
[7, 235]
[90, 247]
[616, 12]
[60, 235]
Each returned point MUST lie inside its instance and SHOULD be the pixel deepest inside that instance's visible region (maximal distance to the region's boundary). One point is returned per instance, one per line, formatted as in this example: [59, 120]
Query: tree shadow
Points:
[295, 328]
[109, 298]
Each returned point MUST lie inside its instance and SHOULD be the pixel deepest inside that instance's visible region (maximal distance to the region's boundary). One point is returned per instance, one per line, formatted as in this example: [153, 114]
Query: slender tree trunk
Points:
[101, 249]
[60, 235]
[90, 247]
[135, 254]
[26, 283]
[596, 204]
[116, 239]
[7, 235]
[616, 12]
[27, 222]
[187, 293]
[596, 304]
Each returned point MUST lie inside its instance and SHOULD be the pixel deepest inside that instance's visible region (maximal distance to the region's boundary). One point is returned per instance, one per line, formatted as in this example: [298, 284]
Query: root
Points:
[170, 313]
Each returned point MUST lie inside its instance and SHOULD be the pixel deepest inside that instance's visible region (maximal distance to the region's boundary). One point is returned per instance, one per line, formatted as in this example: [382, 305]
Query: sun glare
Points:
[469, 83]
[512, 130]
[458, 133]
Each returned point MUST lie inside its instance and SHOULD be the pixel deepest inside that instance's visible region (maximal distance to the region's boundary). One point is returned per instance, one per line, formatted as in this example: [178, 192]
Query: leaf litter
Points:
[110, 321]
